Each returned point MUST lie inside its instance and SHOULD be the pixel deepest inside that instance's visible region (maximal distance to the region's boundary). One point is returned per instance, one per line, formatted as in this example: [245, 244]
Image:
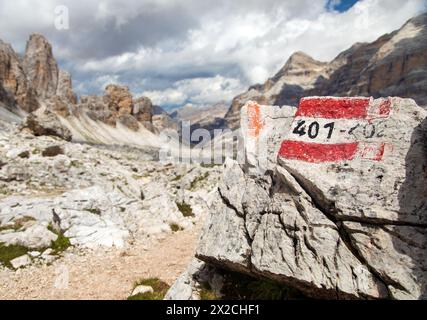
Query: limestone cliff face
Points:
[40, 66]
[50, 84]
[37, 80]
[15, 89]
[117, 105]
[34, 80]
[64, 88]
[393, 65]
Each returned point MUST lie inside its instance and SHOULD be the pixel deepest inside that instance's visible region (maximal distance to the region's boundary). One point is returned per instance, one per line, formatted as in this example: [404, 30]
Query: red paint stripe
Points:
[385, 107]
[333, 108]
[373, 151]
[317, 152]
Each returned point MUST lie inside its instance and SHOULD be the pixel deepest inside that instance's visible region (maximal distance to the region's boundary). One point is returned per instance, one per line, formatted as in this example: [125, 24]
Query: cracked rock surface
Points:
[353, 229]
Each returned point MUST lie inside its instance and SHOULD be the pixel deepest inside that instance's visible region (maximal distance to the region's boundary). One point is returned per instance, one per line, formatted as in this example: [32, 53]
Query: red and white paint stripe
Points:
[329, 129]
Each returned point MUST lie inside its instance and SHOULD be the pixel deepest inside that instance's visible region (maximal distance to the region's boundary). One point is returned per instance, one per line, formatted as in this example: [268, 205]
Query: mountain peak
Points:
[299, 55]
[40, 66]
[297, 64]
[392, 65]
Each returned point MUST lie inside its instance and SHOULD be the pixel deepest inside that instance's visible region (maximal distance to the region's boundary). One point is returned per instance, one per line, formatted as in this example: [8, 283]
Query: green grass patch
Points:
[96, 211]
[174, 227]
[8, 227]
[185, 209]
[4, 190]
[177, 178]
[159, 289]
[210, 165]
[10, 252]
[61, 243]
[207, 293]
[198, 179]
[75, 164]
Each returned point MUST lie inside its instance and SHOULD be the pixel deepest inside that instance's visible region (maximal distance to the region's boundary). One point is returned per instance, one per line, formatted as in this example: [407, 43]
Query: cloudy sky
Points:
[194, 51]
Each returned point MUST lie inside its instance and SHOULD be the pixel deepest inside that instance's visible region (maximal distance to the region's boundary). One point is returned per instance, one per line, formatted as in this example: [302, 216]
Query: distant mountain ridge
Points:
[393, 65]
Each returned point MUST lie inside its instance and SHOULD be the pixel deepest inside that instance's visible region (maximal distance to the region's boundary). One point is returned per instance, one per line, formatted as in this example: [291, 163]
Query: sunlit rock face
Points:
[336, 213]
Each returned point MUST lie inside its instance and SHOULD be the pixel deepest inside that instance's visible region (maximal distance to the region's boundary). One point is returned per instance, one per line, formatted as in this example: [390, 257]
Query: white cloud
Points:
[258, 43]
[197, 92]
[167, 47]
[99, 83]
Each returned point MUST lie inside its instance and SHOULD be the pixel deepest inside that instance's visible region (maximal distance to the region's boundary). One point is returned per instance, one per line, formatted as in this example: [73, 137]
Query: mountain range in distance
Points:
[393, 65]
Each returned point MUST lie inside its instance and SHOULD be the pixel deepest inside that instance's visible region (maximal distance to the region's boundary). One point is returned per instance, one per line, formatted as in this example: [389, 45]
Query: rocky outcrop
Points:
[163, 121]
[194, 280]
[143, 111]
[37, 81]
[14, 88]
[117, 105]
[119, 99]
[97, 206]
[339, 213]
[393, 65]
[40, 66]
[64, 88]
[53, 87]
[45, 123]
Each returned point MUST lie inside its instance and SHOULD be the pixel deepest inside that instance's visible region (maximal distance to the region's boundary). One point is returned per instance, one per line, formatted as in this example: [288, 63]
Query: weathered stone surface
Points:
[333, 228]
[119, 99]
[36, 80]
[40, 66]
[264, 129]
[393, 65]
[52, 151]
[14, 87]
[34, 237]
[21, 261]
[58, 106]
[141, 289]
[117, 105]
[366, 188]
[64, 89]
[197, 276]
[96, 108]
[46, 123]
[103, 196]
[143, 109]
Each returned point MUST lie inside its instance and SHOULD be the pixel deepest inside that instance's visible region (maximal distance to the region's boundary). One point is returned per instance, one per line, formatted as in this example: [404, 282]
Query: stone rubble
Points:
[102, 196]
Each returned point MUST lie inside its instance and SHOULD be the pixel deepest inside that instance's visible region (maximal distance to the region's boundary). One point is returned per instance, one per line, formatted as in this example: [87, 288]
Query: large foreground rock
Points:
[46, 123]
[342, 213]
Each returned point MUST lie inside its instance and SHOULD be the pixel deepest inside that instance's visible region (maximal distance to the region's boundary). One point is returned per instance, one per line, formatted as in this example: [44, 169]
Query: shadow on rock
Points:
[411, 240]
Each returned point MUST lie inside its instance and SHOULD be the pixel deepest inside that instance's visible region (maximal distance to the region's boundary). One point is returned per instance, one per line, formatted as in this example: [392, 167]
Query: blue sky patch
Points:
[340, 5]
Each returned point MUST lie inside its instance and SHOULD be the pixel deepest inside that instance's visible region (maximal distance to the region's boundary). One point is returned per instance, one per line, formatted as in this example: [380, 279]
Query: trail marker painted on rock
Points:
[254, 115]
[329, 129]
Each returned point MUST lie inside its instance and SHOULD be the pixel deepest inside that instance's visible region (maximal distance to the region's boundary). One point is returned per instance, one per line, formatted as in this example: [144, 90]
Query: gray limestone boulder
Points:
[341, 214]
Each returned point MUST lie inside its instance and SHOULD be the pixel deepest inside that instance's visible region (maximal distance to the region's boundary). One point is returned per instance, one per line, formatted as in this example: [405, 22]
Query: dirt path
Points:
[102, 274]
